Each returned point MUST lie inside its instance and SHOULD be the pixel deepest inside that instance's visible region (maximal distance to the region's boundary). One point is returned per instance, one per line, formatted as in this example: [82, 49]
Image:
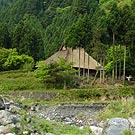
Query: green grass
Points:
[120, 108]
[19, 81]
[24, 81]
[58, 128]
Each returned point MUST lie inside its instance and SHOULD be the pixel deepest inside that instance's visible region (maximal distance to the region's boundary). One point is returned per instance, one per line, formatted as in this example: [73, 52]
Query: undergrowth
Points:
[120, 108]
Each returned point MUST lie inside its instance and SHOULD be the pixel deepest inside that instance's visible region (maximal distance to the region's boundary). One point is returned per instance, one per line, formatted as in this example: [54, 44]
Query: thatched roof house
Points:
[78, 56]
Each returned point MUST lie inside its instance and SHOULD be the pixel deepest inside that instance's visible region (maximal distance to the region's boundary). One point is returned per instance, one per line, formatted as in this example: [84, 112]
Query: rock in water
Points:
[117, 126]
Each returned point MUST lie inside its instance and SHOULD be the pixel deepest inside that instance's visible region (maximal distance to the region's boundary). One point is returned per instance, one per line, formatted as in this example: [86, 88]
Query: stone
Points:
[7, 118]
[25, 132]
[132, 127]
[102, 124]
[96, 130]
[49, 134]
[2, 106]
[34, 134]
[117, 126]
[4, 130]
[132, 121]
[33, 108]
[10, 134]
[81, 128]
[14, 109]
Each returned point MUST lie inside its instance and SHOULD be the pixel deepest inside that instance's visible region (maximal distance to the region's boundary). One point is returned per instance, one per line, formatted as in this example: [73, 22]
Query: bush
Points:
[10, 60]
[57, 74]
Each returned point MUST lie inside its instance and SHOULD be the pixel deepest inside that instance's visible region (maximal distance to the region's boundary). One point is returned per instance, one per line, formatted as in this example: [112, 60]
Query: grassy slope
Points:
[23, 81]
[19, 80]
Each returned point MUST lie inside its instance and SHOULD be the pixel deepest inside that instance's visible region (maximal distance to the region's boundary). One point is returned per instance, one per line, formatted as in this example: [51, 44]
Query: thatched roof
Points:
[72, 55]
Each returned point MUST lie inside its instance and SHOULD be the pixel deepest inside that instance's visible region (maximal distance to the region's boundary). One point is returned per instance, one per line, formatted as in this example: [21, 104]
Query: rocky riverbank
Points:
[16, 119]
[72, 114]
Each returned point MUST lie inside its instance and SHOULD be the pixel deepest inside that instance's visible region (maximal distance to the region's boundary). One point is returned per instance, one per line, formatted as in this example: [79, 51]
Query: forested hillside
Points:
[39, 27]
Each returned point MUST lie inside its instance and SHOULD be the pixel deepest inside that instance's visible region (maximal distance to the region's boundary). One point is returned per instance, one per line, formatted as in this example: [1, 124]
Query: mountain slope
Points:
[55, 17]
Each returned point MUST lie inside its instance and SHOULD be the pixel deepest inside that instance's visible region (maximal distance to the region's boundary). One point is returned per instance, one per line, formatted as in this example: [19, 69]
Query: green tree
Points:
[27, 38]
[111, 62]
[10, 60]
[80, 33]
[129, 67]
[5, 39]
[3, 57]
[57, 74]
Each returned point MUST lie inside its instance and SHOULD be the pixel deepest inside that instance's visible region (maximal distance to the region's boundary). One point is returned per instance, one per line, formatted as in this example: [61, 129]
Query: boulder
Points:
[96, 130]
[4, 130]
[117, 126]
[2, 105]
[8, 118]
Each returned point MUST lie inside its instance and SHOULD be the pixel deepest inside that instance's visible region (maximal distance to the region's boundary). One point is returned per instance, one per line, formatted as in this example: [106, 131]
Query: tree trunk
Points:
[88, 68]
[116, 71]
[79, 63]
[72, 55]
[84, 66]
[120, 64]
[95, 77]
[103, 70]
[100, 72]
[65, 86]
[124, 67]
[113, 71]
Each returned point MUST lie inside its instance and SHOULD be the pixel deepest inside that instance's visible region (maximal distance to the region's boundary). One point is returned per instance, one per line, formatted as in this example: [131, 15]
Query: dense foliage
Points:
[57, 74]
[38, 28]
[11, 60]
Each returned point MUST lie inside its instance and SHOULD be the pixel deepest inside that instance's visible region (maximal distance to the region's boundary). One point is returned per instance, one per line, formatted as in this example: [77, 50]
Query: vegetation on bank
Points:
[26, 81]
[41, 126]
[119, 108]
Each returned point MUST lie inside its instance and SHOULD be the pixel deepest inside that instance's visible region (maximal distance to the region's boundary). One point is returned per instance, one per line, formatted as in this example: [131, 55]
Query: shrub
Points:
[10, 60]
[59, 74]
